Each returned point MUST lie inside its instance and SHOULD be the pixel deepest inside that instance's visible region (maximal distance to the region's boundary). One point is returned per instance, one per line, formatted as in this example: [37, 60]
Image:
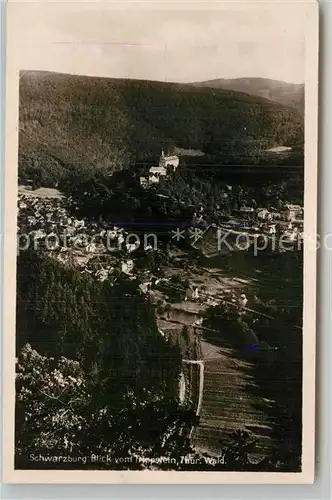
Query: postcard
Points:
[160, 242]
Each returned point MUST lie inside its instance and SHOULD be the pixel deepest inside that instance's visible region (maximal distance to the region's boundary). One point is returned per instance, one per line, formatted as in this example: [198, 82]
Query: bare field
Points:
[228, 403]
[42, 192]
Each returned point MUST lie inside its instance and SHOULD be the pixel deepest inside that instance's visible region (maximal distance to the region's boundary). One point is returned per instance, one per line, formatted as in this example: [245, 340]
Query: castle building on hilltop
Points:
[166, 161]
[155, 173]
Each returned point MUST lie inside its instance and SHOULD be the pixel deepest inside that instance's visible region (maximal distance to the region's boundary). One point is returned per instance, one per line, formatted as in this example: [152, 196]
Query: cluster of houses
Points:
[288, 220]
[289, 213]
[166, 164]
[45, 221]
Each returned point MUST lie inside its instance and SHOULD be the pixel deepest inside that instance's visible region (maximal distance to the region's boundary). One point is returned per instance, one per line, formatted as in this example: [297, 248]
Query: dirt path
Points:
[182, 388]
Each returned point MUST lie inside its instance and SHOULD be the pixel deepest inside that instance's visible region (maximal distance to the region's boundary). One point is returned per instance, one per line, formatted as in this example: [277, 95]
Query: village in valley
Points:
[43, 217]
[183, 284]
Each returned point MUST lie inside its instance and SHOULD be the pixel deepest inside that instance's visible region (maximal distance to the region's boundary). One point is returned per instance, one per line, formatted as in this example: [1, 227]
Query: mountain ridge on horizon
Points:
[285, 93]
[278, 91]
[190, 82]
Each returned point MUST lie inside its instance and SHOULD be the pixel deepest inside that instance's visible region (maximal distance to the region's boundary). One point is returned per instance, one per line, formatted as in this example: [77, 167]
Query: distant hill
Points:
[288, 94]
[84, 123]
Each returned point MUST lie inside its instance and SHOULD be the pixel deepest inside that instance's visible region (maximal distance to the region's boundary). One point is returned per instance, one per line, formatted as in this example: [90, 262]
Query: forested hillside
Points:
[87, 123]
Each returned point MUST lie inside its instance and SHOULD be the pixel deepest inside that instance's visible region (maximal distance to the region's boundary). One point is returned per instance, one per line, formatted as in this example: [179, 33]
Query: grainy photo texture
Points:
[160, 236]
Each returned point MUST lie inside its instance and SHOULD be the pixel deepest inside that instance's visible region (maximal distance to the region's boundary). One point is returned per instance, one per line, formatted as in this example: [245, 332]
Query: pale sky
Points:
[175, 44]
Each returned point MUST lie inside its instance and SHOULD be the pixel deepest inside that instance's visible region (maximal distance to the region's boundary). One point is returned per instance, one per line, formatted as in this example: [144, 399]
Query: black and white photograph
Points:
[160, 234]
